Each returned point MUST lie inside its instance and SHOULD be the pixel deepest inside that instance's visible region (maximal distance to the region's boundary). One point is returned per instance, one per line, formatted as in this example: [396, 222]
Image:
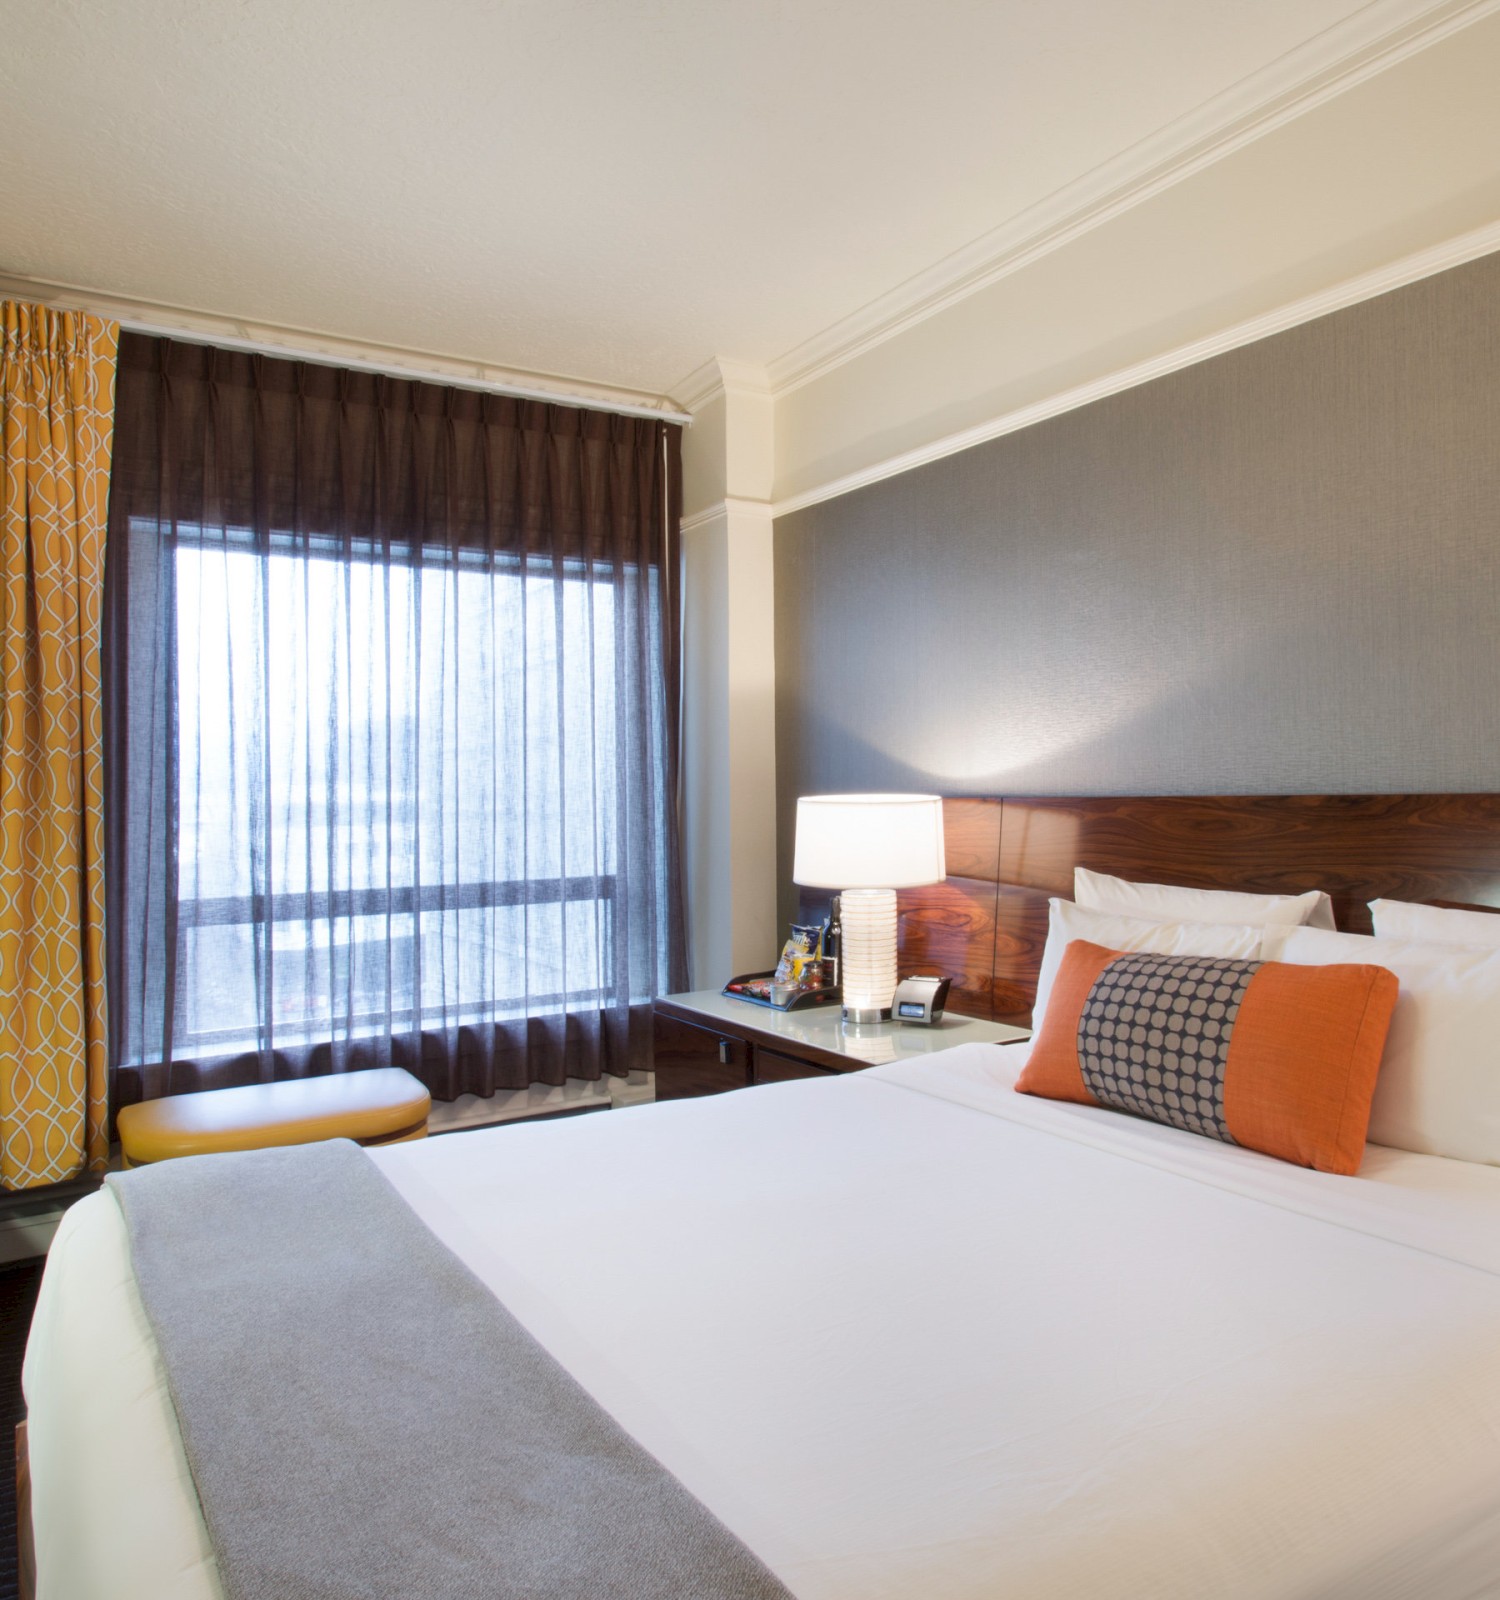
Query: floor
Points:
[18, 1286]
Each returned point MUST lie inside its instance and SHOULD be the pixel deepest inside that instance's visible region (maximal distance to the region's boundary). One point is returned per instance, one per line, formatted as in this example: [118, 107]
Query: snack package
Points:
[800, 956]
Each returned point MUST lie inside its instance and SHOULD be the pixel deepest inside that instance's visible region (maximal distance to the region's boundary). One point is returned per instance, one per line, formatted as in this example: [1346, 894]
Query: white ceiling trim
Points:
[1410, 269]
[730, 506]
[1374, 39]
[701, 519]
[701, 385]
[722, 376]
[302, 344]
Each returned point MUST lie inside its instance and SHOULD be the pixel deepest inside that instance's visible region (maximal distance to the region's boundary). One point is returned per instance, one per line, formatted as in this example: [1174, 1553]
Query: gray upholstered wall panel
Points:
[1277, 572]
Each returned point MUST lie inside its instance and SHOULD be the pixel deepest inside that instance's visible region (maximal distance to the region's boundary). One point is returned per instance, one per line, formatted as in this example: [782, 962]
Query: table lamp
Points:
[867, 846]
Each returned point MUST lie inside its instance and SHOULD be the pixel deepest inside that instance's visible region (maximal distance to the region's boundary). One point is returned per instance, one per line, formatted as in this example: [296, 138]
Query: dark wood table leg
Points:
[25, 1546]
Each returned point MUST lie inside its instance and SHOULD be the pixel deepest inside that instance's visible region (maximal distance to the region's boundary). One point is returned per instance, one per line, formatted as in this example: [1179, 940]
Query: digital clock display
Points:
[911, 1008]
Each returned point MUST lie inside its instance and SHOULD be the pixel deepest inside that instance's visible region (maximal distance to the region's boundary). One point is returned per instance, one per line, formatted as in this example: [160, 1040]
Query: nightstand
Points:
[704, 1043]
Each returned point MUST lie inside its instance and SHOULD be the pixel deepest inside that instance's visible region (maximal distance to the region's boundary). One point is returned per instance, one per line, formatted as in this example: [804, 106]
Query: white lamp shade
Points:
[869, 841]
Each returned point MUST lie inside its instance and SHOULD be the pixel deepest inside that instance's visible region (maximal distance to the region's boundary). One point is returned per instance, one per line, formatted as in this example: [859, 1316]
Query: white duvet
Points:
[910, 1334]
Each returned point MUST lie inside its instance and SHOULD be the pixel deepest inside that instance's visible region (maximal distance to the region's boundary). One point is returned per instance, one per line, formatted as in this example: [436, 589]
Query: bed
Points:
[908, 1333]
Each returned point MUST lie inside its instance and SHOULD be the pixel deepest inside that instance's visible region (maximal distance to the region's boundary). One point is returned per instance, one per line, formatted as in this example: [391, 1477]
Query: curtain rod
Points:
[397, 369]
[170, 322]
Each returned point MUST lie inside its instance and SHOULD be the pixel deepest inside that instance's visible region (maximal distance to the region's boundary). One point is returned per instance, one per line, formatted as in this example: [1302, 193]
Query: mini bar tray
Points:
[754, 988]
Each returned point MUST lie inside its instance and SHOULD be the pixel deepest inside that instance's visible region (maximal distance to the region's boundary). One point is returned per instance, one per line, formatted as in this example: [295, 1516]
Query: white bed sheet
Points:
[911, 1334]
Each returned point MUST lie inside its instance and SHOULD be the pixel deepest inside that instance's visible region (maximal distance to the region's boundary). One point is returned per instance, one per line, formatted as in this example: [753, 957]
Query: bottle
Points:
[831, 940]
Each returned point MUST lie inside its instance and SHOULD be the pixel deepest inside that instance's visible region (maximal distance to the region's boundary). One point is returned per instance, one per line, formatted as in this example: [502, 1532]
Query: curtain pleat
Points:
[56, 415]
[391, 728]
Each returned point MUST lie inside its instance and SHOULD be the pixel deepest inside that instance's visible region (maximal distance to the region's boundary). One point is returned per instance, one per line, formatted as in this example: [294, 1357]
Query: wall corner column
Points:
[729, 680]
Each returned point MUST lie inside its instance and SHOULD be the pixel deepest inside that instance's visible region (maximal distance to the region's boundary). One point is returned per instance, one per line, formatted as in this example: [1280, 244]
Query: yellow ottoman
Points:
[381, 1106]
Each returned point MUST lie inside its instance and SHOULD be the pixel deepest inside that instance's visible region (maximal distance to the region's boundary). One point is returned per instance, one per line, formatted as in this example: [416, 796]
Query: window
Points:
[397, 903]
[391, 691]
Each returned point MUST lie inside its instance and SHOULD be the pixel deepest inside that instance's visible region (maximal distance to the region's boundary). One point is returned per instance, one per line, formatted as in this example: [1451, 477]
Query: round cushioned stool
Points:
[382, 1106]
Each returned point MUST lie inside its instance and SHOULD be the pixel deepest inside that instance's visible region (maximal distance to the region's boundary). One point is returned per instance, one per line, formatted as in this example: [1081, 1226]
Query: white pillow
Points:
[1439, 1086]
[1067, 922]
[1167, 902]
[1400, 919]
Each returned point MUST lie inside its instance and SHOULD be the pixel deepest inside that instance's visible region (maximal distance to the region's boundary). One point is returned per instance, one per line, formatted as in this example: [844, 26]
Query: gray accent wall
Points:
[1274, 572]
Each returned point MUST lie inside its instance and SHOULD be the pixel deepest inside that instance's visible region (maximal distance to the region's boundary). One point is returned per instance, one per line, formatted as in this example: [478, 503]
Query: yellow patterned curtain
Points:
[56, 418]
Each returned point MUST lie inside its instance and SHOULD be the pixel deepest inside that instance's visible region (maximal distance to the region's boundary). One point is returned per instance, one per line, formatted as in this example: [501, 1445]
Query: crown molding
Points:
[720, 375]
[745, 377]
[1367, 286]
[1363, 45]
[701, 519]
[701, 385]
[730, 506]
[303, 344]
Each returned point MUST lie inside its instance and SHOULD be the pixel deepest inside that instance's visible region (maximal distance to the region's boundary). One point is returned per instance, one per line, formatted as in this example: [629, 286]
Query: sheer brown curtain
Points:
[391, 695]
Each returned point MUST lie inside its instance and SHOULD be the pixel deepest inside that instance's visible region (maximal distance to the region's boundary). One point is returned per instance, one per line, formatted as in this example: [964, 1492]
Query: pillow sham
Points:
[1278, 1058]
[1439, 1087]
[1169, 902]
[1401, 919]
[1067, 921]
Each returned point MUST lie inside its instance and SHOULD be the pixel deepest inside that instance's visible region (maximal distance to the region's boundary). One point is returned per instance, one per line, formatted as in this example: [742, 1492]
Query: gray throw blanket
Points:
[365, 1421]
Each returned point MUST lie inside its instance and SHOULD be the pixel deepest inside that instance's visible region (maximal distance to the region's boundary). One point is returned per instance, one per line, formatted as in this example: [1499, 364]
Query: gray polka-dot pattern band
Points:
[1153, 1037]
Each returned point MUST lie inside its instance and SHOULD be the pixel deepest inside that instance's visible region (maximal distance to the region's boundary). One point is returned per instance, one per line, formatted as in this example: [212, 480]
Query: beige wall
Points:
[729, 667]
[704, 458]
[1399, 163]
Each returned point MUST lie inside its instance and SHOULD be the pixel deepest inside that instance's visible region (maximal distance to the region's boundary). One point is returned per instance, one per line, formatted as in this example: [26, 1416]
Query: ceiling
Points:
[609, 190]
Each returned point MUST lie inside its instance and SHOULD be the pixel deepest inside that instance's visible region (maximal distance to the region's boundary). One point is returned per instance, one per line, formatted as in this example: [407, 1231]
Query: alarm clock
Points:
[920, 1000]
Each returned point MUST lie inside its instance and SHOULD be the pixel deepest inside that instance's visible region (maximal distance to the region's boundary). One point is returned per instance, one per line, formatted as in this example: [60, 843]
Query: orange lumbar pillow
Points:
[1277, 1058]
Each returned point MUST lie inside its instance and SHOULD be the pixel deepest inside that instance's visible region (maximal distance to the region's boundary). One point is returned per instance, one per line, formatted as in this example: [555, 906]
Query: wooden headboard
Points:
[987, 922]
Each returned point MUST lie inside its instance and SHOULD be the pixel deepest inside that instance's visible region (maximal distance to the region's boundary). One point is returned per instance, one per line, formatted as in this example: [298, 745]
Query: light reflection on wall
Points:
[1025, 732]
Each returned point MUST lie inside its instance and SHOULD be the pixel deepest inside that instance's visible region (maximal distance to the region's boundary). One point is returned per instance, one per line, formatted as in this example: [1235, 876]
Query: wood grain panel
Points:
[948, 929]
[1020, 935]
[986, 926]
[1357, 847]
[774, 1066]
[25, 1539]
[971, 836]
[687, 1060]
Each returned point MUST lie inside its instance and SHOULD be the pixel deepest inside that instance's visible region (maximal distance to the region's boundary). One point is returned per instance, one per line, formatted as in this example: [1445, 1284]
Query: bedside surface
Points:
[821, 1028]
